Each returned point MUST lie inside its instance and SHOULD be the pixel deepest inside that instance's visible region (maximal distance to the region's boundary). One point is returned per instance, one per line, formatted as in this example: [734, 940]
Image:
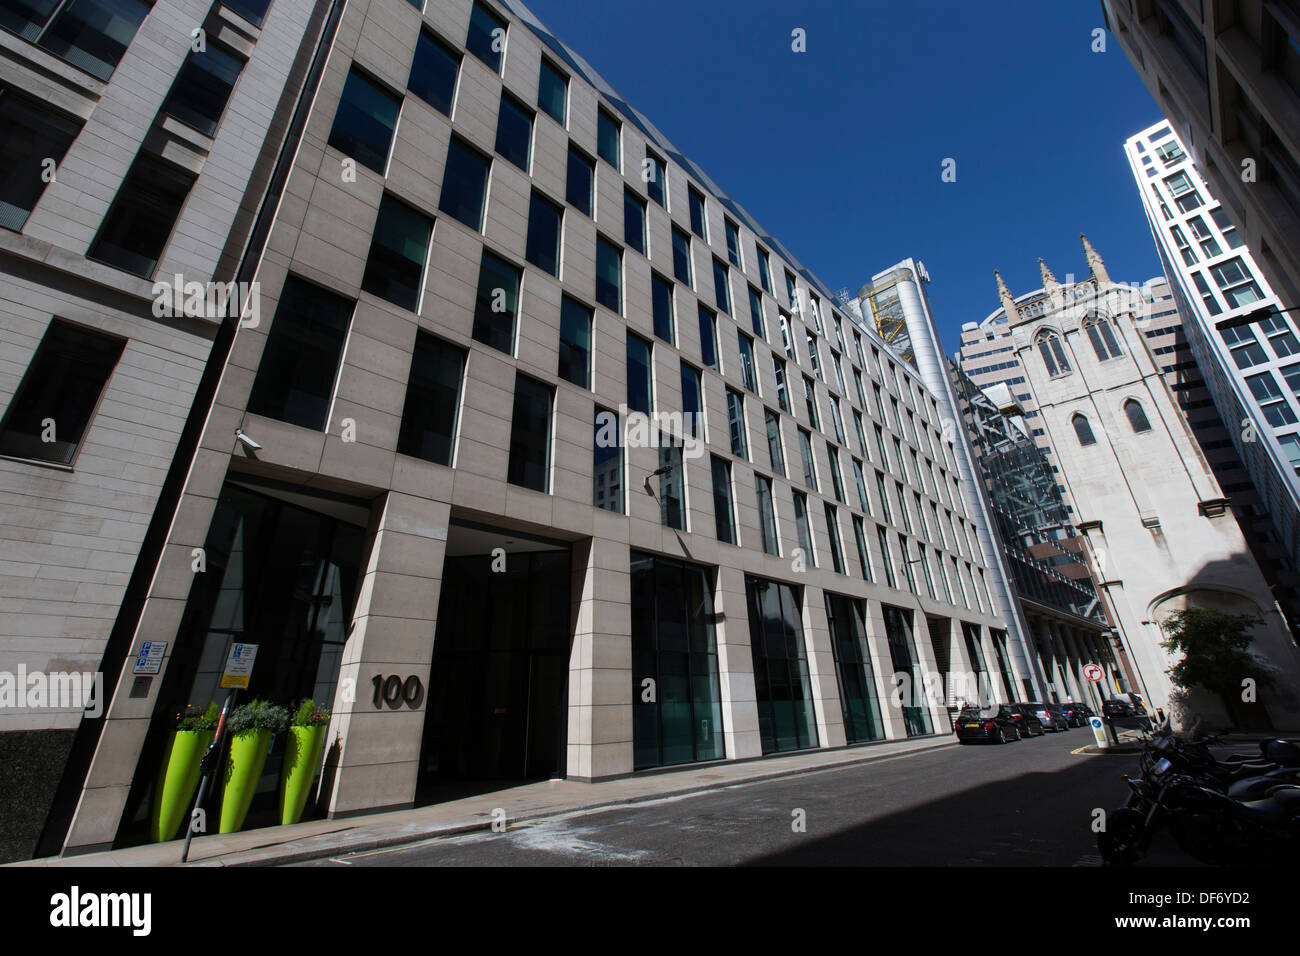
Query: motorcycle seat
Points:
[1267, 812]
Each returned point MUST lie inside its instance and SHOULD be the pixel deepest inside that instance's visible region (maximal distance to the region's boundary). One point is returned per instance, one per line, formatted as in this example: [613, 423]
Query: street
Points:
[1028, 803]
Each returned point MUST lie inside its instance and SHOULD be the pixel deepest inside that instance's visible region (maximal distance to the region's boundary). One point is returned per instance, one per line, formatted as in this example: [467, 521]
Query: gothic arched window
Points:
[1102, 337]
[1083, 430]
[1137, 417]
[1053, 352]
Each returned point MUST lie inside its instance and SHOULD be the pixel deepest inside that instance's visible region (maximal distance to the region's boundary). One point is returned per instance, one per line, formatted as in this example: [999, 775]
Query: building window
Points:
[882, 490]
[552, 92]
[1245, 348]
[785, 709]
[1102, 337]
[810, 402]
[858, 701]
[487, 36]
[833, 533]
[656, 178]
[1209, 245]
[682, 257]
[803, 530]
[903, 657]
[300, 361]
[764, 270]
[723, 517]
[756, 312]
[202, 88]
[514, 131]
[861, 482]
[49, 414]
[733, 244]
[1280, 337]
[608, 132]
[497, 304]
[1049, 346]
[609, 275]
[860, 539]
[813, 356]
[806, 454]
[708, 338]
[837, 482]
[882, 538]
[782, 393]
[1235, 282]
[787, 340]
[141, 220]
[464, 184]
[792, 292]
[607, 462]
[721, 290]
[902, 507]
[1180, 240]
[837, 422]
[432, 400]
[1137, 418]
[736, 424]
[398, 250]
[1276, 409]
[581, 178]
[661, 297]
[575, 342]
[530, 435]
[692, 401]
[862, 435]
[92, 35]
[364, 122]
[639, 377]
[1083, 430]
[1291, 448]
[254, 11]
[672, 488]
[634, 221]
[1211, 303]
[434, 70]
[766, 515]
[747, 371]
[774, 449]
[698, 224]
[1230, 234]
[545, 219]
[30, 132]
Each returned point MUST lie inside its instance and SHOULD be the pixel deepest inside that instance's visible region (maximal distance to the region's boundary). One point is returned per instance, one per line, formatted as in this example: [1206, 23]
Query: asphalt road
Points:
[1028, 803]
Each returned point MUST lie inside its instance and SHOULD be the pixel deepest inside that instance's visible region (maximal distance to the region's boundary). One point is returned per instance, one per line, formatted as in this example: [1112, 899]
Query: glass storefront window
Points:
[858, 700]
[902, 653]
[782, 685]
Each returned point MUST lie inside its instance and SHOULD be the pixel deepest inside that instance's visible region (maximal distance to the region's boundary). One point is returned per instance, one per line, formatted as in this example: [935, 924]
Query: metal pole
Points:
[208, 766]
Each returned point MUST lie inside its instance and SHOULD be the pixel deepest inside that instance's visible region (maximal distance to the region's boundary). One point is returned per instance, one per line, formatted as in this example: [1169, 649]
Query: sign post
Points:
[1100, 732]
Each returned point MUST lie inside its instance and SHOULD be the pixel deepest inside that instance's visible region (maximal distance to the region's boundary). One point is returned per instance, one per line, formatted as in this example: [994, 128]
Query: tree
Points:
[1215, 656]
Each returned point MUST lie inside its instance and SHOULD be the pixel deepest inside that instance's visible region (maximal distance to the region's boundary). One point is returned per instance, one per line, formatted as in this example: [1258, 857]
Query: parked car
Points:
[1049, 715]
[1076, 713]
[1026, 720]
[972, 724]
[1126, 711]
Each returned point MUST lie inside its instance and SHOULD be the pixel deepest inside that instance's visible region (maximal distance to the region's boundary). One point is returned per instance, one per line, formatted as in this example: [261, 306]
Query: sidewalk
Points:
[320, 838]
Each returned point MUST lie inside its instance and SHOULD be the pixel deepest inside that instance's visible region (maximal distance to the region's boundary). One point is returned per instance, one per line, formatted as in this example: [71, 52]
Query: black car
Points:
[973, 724]
[1077, 714]
[1027, 720]
[1127, 711]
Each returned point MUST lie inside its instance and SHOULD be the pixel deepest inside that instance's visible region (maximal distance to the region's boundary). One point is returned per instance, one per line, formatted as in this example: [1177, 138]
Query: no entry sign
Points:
[1092, 672]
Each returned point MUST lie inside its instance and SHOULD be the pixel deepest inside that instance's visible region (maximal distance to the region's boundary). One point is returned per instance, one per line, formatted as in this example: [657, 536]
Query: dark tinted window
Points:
[697, 214]
[634, 221]
[464, 184]
[682, 256]
[530, 435]
[661, 295]
[487, 36]
[433, 72]
[395, 266]
[692, 402]
[137, 228]
[90, 34]
[721, 288]
[736, 423]
[544, 219]
[432, 399]
[708, 338]
[607, 138]
[199, 95]
[364, 122]
[638, 374]
[733, 243]
[581, 176]
[607, 462]
[575, 342]
[552, 91]
[29, 134]
[656, 179]
[251, 10]
[724, 521]
[514, 131]
[497, 303]
[756, 312]
[609, 275]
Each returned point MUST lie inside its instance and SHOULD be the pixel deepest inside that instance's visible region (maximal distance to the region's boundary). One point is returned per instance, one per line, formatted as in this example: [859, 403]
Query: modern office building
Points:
[543, 459]
[1243, 347]
[1157, 522]
[140, 143]
[1227, 75]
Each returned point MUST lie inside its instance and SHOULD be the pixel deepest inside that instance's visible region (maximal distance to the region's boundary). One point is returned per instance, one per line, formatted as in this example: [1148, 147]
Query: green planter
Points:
[178, 777]
[243, 769]
[302, 750]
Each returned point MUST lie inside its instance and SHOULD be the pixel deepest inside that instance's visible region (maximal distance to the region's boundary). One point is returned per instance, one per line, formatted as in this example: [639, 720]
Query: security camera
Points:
[239, 433]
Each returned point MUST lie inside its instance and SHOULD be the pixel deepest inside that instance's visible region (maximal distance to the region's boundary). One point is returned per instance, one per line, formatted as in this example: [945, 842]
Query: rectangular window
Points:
[552, 92]
[1236, 283]
[1271, 400]
[545, 219]
[661, 297]
[756, 312]
[747, 371]
[861, 482]
[1230, 234]
[837, 482]
[721, 289]
[774, 449]
[1244, 347]
[434, 70]
[1211, 303]
[787, 340]
[809, 465]
[862, 359]
[708, 338]
[398, 250]
[497, 304]
[903, 658]
[764, 270]
[634, 221]
[137, 227]
[609, 275]
[656, 186]
[883, 491]
[487, 34]
[464, 184]
[766, 515]
[733, 244]
[782, 393]
[581, 180]
[364, 122]
[860, 539]
[803, 530]
[836, 421]
[608, 131]
[92, 35]
[300, 361]
[30, 132]
[514, 131]
[682, 257]
[202, 88]
[428, 428]
[723, 517]
[530, 435]
[607, 462]
[63, 385]
[810, 400]
[698, 223]
[575, 343]
[672, 488]
[862, 436]
[886, 559]
[813, 356]
[786, 720]
[736, 424]
[692, 402]
[639, 377]
[833, 533]
[792, 292]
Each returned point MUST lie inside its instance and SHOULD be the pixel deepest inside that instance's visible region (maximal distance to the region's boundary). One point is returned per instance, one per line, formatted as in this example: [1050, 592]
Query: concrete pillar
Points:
[821, 670]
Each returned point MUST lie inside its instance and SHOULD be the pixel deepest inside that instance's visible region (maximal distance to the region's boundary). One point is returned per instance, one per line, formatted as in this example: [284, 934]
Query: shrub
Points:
[191, 718]
[259, 715]
[311, 714]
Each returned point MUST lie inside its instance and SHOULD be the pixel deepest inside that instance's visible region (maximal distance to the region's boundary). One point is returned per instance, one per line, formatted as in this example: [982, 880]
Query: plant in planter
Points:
[251, 726]
[302, 753]
[178, 774]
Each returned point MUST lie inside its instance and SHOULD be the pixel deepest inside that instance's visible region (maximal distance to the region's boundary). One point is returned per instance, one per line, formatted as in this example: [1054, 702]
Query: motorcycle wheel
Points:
[1119, 843]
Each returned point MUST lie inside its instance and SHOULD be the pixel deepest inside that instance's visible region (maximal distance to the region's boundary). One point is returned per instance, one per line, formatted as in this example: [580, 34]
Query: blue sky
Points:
[837, 151]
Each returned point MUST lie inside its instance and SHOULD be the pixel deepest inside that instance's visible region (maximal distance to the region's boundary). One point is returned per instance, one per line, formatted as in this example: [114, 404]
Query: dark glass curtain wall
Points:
[902, 652]
[784, 691]
[858, 701]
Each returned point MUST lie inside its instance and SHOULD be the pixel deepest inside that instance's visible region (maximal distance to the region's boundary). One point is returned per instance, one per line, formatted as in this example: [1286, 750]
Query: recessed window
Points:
[552, 92]
[802, 529]
[806, 454]
[514, 131]
[432, 400]
[860, 539]
[530, 435]
[882, 491]
[607, 462]
[736, 423]
[254, 11]
[692, 401]
[882, 538]
[137, 227]
[544, 222]
[49, 414]
[860, 481]
[433, 72]
[723, 511]
[497, 303]
[810, 401]
[766, 515]
[300, 361]
[607, 138]
[672, 488]
[487, 36]
[708, 338]
[1137, 417]
[721, 289]
[1236, 283]
[1083, 430]
[733, 244]
[609, 275]
[634, 221]
[575, 342]
[764, 270]
[837, 481]
[1277, 410]
[1053, 353]
[640, 389]
[682, 257]
[30, 132]
[756, 312]
[464, 184]
[581, 179]
[364, 122]
[775, 450]
[661, 297]
[92, 35]
[202, 88]
[791, 291]
[398, 249]
[747, 371]
[656, 177]
[833, 533]
[698, 223]
[1103, 340]
[1244, 347]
